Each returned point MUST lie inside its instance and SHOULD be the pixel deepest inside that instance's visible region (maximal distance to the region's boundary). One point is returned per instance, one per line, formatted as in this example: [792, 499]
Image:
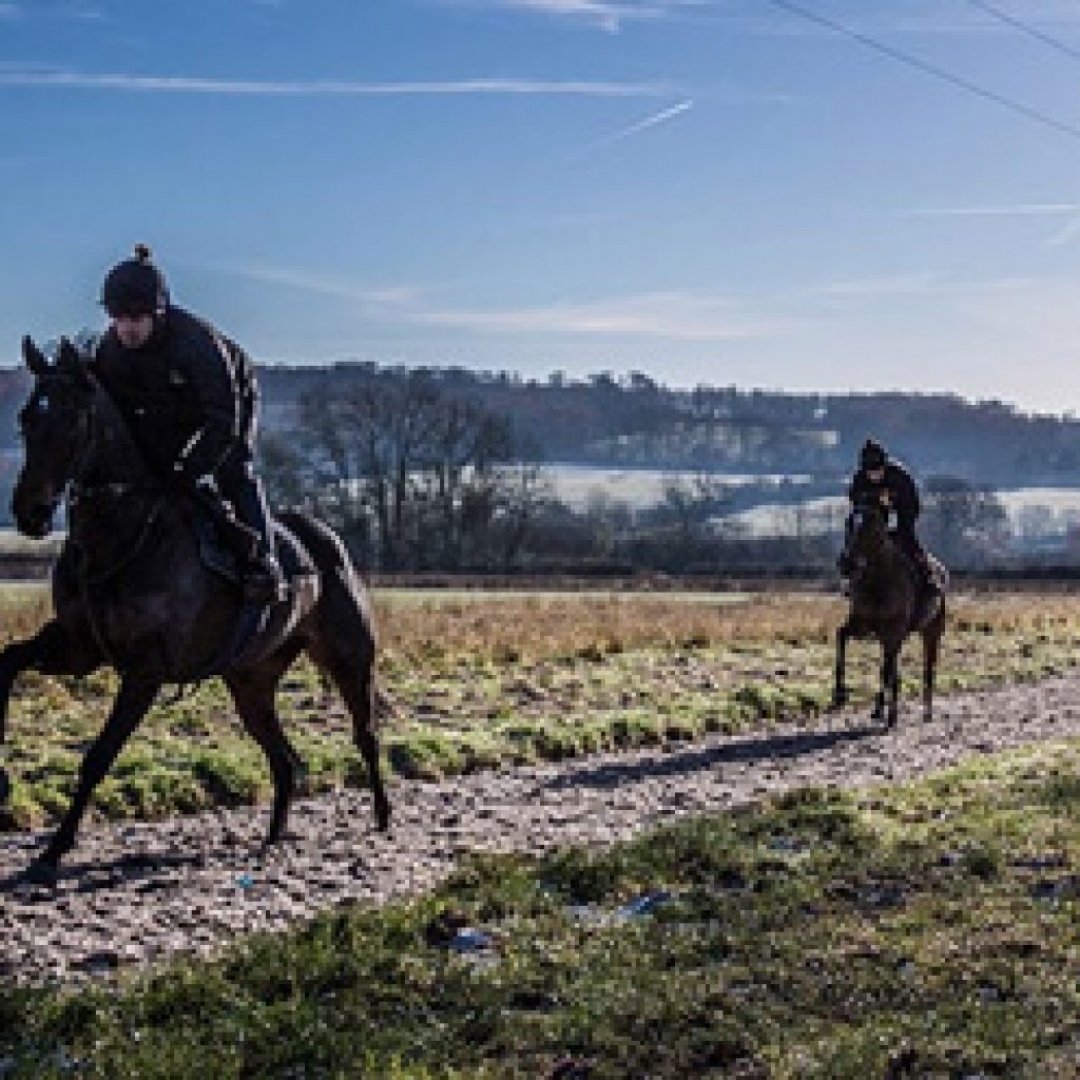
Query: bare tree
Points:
[411, 473]
[964, 523]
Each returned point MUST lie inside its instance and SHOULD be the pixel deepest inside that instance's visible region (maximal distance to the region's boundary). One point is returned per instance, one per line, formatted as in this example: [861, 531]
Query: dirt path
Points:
[135, 893]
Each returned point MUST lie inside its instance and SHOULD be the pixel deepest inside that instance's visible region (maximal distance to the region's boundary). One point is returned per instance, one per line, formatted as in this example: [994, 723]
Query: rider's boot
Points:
[264, 581]
[929, 574]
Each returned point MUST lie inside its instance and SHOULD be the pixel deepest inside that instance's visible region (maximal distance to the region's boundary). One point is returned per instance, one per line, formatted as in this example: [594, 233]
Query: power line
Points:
[929, 69]
[1023, 27]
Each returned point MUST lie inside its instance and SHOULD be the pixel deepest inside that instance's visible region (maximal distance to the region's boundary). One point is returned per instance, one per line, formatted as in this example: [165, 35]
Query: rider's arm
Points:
[205, 363]
[908, 494]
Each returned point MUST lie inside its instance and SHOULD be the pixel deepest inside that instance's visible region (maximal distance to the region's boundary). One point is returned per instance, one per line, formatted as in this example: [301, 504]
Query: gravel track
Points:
[132, 894]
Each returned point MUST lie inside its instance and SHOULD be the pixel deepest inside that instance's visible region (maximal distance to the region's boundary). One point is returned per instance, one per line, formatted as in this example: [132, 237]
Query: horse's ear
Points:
[67, 355]
[34, 357]
[70, 361]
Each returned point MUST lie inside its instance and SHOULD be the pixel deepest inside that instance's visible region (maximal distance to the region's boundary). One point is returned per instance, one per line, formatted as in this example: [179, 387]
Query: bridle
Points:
[81, 493]
[856, 521]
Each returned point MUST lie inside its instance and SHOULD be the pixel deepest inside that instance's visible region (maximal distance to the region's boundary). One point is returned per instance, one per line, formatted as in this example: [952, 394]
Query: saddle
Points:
[219, 555]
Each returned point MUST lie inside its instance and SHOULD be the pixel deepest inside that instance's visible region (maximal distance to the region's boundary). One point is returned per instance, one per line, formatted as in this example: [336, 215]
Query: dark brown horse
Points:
[889, 601]
[132, 589]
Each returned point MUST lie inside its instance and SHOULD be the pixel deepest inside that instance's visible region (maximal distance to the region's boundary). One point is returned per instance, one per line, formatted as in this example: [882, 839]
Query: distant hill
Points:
[636, 422]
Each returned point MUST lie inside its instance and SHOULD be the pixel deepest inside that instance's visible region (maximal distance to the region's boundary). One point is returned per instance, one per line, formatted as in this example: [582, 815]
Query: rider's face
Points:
[133, 331]
[875, 476]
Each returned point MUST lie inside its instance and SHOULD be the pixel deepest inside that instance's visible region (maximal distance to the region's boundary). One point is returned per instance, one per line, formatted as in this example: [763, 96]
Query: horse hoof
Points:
[41, 872]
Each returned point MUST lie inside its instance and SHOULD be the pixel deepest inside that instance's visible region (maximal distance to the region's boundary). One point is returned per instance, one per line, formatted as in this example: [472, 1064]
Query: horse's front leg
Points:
[840, 694]
[889, 692]
[891, 683]
[52, 650]
[131, 705]
[878, 712]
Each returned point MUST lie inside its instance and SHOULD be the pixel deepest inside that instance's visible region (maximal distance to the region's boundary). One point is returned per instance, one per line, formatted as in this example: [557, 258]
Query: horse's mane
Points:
[123, 450]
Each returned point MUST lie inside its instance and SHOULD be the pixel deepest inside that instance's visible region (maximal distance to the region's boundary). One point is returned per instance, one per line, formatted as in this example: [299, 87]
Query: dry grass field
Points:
[481, 679]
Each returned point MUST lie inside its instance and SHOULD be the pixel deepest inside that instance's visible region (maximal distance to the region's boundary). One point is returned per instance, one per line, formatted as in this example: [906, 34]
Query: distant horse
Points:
[889, 601]
[133, 588]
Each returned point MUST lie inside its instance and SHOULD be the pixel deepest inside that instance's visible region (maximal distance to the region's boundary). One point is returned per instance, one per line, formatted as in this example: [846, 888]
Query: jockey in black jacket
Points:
[189, 396]
[878, 473]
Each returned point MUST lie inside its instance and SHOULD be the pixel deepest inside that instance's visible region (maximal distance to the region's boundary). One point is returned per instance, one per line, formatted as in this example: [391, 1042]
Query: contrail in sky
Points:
[74, 80]
[643, 125]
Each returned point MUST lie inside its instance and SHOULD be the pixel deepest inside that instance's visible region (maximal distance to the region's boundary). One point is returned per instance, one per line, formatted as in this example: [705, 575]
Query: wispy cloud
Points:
[1068, 210]
[897, 285]
[672, 316]
[10, 11]
[608, 15]
[375, 297]
[89, 13]
[1056, 209]
[37, 78]
[1069, 232]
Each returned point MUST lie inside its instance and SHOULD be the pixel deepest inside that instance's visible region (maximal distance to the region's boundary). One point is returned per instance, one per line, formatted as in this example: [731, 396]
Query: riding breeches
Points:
[239, 485]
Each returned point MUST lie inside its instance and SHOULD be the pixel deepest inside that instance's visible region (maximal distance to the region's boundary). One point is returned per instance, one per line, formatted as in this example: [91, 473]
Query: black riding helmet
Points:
[872, 455]
[135, 287]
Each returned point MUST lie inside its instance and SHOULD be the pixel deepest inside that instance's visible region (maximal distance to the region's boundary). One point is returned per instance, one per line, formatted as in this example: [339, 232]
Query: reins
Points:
[78, 495]
[80, 492]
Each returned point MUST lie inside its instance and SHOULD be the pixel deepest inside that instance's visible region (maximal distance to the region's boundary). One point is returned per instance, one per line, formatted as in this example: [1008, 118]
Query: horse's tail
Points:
[321, 541]
[343, 588]
[323, 545]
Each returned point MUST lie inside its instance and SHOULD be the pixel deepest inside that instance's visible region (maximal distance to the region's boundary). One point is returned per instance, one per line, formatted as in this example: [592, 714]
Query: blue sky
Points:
[814, 195]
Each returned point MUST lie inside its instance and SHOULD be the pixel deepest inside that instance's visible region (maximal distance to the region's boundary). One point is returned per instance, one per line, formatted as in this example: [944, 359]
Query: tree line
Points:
[418, 478]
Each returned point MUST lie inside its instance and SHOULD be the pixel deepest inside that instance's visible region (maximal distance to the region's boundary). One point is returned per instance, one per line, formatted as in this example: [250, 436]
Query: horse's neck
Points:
[116, 496]
[113, 456]
[887, 563]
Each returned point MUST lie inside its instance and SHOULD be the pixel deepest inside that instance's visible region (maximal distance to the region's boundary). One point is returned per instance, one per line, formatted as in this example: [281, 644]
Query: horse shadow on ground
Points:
[743, 751]
[140, 871]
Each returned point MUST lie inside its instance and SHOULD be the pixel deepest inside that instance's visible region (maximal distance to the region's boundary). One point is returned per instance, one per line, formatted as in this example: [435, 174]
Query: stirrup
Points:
[264, 582]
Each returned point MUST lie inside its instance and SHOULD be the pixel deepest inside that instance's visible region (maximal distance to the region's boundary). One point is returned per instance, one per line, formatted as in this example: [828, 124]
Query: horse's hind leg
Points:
[931, 638]
[340, 640]
[840, 694]
[355, 681]
[253, 692]
[344, 649]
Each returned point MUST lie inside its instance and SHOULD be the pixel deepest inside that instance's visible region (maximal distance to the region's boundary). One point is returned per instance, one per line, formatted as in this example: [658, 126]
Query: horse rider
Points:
[189, 396]
[882, 476]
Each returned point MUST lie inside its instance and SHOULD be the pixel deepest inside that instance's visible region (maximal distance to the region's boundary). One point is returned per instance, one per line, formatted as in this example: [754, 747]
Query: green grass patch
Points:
[523, 678]
[924, 930]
